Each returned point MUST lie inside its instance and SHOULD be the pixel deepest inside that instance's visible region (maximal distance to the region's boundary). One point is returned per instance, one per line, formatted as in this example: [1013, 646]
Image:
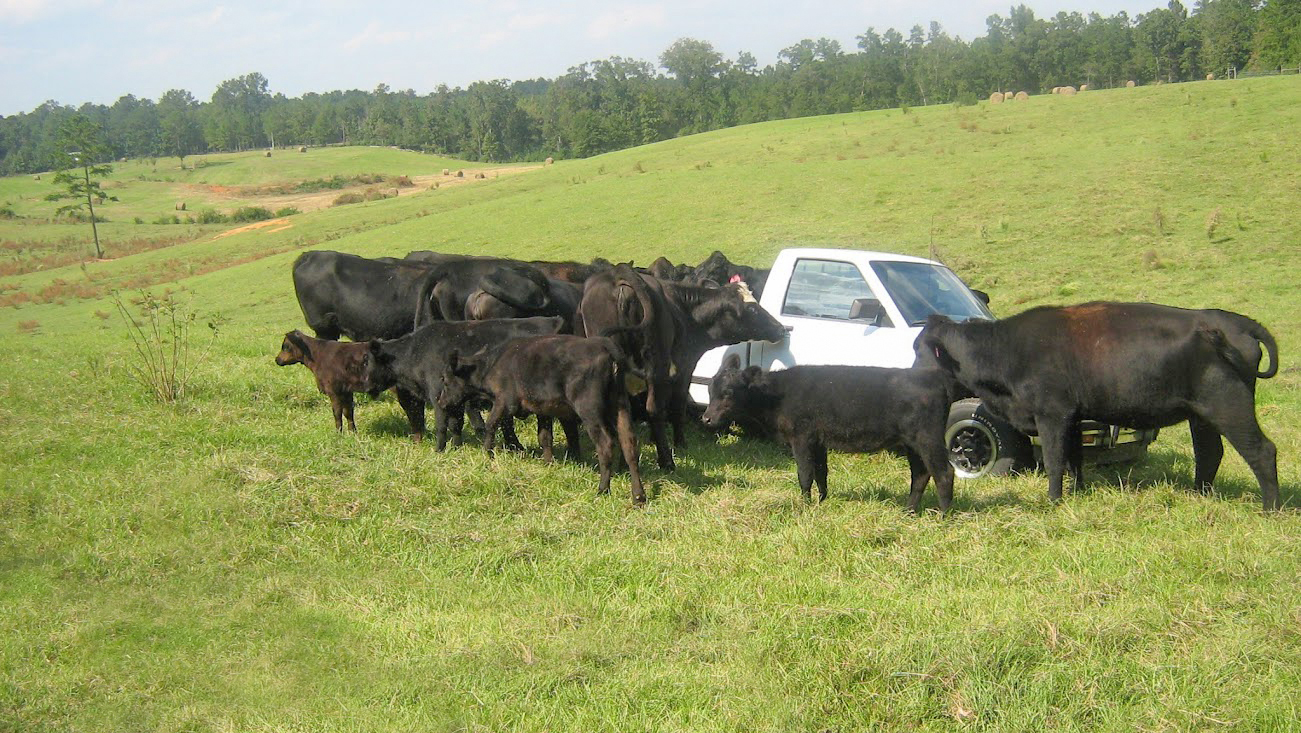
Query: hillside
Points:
[231, 563]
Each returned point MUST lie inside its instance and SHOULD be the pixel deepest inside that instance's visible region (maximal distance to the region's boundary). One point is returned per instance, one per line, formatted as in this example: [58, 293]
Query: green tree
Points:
[179, 125]
[1278, 38]
[82, 155]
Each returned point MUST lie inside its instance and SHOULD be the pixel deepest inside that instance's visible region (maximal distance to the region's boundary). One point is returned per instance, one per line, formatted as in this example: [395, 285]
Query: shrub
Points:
[7, 213]
[966, 99]
[168, 219]
[161, 338]
[138, 220]
[251, 213]
[348, 198]
[287, 211]
[212, 216]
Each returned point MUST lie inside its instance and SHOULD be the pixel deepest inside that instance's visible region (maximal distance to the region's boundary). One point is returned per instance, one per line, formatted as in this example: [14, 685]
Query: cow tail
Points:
[625, 276]
[426, 312]
[1256, 331]
[1262, 334]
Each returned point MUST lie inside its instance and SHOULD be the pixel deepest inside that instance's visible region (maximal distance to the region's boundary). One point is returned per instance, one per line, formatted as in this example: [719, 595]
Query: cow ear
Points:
[733, 361]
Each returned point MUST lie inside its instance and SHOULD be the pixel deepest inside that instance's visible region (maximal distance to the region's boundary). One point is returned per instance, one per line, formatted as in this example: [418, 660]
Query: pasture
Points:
[231, 563]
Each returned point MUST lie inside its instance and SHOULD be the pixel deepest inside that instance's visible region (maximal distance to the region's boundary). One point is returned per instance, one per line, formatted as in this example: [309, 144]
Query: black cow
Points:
[717, 268]
[504, 294]
[566, 377]
[667, 328]
[448, 285]
[847, 408]
[417, 361]
[347, 295]
[338, 366]
[1139, 365]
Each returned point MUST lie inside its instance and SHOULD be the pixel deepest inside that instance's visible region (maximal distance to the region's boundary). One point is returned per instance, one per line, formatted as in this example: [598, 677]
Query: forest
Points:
[616, 103]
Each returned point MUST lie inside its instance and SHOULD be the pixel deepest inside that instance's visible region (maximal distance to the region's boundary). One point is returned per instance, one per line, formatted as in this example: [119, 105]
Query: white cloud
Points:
[22, 10]
[622, 19]
[374, 36]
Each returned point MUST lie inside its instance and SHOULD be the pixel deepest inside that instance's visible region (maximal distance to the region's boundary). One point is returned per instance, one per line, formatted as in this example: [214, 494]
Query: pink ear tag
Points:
[734, 279]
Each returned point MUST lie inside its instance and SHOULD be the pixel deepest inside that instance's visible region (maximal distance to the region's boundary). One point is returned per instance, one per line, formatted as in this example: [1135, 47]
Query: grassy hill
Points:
[230, 563]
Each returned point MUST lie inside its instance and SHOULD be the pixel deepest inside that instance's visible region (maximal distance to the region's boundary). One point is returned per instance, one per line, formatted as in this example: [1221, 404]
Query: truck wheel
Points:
[980, 444]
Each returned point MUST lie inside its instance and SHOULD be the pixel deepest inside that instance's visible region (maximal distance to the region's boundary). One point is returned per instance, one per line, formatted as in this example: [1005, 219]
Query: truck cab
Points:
[862, 308]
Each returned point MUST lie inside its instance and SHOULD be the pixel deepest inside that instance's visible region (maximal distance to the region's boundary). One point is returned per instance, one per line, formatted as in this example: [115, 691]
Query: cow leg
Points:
[678, 412]
[628, 442]
[920, 477]
[804, 465]
[336, 405]
[1075, 456]
[935, 459]
[490, 426]
[663, 451]
[604, 451]
[820, 469]
[1233, 412]
[546, 436]
[573, 448]
[414, 406]
[1208, 451]
[347, 399]
[508, 436]
[1053, 436]
[476, 421]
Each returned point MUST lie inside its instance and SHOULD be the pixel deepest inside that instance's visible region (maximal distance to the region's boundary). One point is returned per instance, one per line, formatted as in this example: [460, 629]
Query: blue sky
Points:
[75, 51]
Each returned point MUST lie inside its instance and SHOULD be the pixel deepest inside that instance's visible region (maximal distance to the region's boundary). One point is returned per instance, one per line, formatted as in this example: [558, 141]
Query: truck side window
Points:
[824, 289]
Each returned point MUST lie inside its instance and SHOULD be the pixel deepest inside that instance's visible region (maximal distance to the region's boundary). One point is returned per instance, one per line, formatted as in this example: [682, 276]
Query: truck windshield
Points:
[921, 289]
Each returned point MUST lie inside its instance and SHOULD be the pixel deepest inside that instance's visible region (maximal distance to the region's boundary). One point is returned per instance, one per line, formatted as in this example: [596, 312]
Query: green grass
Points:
[232, 564]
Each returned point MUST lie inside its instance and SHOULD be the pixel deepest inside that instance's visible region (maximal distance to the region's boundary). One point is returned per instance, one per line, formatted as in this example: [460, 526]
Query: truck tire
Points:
[980, 444]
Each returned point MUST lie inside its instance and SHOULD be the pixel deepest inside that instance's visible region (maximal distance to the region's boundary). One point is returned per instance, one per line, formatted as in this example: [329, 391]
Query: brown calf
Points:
[339, 367]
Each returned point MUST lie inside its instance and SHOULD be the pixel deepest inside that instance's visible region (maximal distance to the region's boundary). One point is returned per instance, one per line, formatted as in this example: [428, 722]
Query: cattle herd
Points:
[602, 344]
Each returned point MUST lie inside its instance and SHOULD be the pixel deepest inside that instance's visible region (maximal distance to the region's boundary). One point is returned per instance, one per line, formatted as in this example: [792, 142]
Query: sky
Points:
[75, 51]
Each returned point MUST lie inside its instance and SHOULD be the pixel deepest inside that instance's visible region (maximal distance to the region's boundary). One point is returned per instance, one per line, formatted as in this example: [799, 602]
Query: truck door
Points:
[828, 327]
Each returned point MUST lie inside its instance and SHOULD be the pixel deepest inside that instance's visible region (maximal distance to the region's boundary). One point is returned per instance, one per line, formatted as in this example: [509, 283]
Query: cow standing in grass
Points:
[570, 378]
[847, 408]
[1139, 365]
[339, 368]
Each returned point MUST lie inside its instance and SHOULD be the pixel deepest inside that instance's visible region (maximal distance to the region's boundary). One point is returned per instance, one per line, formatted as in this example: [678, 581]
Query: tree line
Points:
[616, 103]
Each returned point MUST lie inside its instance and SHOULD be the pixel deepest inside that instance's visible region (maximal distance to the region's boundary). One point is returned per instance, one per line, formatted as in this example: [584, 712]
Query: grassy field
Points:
[231, 564]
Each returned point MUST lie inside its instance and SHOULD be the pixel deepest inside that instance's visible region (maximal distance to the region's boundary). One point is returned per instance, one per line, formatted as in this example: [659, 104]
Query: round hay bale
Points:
[302, 148]
[1022, 96]
[1130, 84]
[550, 160]
[1210, 77]
[1067, 91]
[1084, 87]
[36, 177]
[996, 98]
[447, 172]
[268, 153]
[480, 175]
[180, 206]
[1056, 90]
[460, 174]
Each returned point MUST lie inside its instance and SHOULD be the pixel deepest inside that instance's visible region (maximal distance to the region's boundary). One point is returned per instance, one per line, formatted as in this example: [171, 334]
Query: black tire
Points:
[980, 444]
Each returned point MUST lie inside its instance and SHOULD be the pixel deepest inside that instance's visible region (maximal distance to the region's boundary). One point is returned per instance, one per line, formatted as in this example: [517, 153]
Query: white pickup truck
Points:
[846, 306]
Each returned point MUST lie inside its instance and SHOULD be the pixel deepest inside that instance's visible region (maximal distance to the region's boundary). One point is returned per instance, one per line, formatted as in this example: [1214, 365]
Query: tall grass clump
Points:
[161, 339]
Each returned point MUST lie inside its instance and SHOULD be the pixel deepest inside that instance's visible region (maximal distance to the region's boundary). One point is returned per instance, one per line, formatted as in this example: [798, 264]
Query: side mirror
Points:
[868, 309]
[984, 297]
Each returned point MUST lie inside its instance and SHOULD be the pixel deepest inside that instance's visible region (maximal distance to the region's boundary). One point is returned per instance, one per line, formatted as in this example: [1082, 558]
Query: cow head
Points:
[377, 366]
[736, 316]
[294, 349]
[733, 392]
[930, 347]
[456, 389]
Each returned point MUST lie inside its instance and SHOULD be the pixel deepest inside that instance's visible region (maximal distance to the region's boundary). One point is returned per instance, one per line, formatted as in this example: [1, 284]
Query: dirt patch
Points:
[318, 200]
[280, 224]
